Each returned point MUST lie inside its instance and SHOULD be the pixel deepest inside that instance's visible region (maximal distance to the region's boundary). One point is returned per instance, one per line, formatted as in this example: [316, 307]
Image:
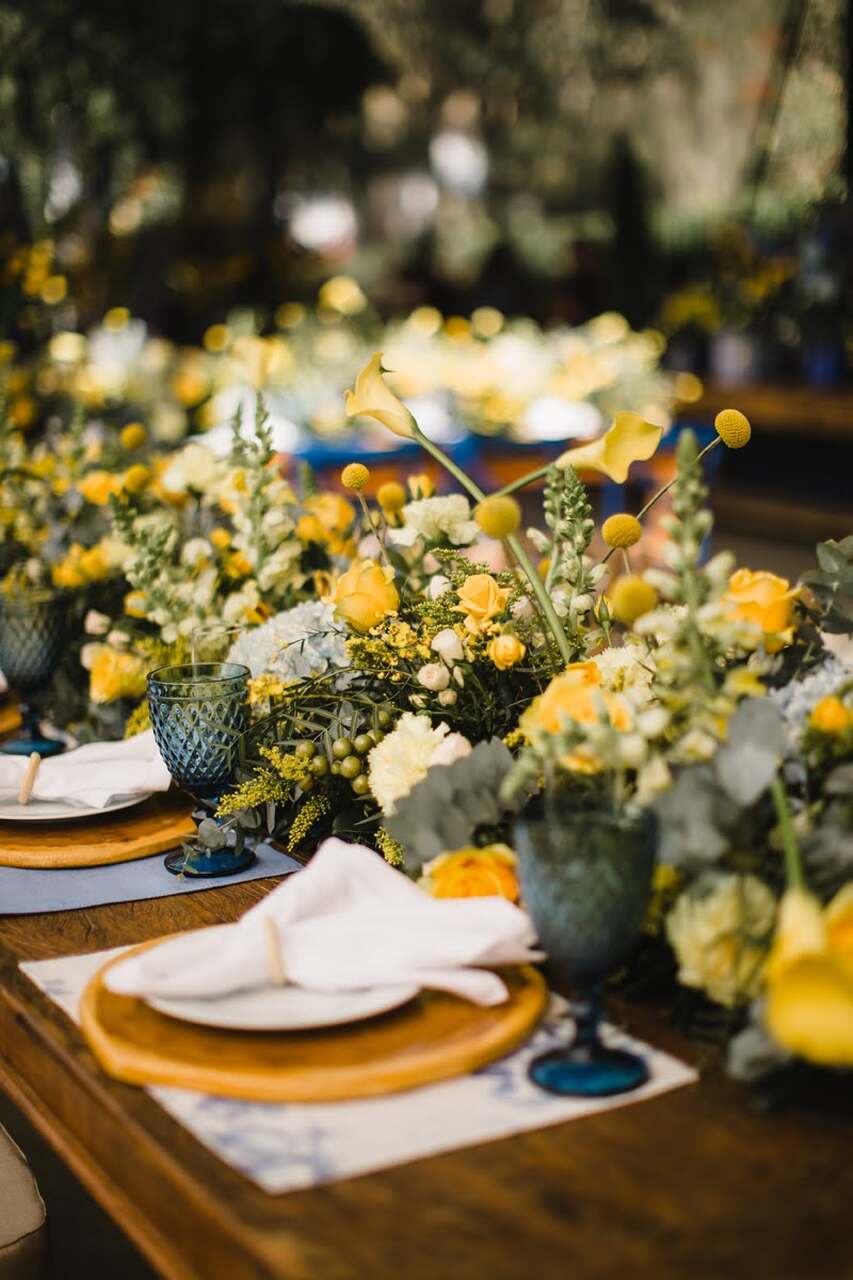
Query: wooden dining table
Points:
[695, 1183]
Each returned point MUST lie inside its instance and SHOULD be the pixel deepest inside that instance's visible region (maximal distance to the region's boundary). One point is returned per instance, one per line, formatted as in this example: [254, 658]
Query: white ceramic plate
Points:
[286, 1008]
[60, 811]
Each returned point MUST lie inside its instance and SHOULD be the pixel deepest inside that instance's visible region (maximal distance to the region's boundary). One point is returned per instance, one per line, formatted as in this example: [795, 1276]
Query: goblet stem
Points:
[587, 1068]
[32, 739]
[206, 861]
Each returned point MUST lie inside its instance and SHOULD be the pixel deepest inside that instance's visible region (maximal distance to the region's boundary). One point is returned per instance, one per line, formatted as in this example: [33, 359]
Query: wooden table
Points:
[692, 1184]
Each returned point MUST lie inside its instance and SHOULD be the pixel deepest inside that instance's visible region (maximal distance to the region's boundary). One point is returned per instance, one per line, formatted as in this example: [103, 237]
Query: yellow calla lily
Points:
[629, 439]
[372, 398]
[810, 978]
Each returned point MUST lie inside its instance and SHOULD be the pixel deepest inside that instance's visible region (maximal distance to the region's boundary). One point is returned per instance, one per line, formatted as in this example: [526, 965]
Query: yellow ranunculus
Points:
[372, 398]
[115, 675]
[481, 600]
[332, 510]
[473, 873]
[766, 600]
[629, 439]
[96, 562]
[97, 486]
[810, 978]
[365, 594]
[506, 651]
[574, 694]
[68, 572]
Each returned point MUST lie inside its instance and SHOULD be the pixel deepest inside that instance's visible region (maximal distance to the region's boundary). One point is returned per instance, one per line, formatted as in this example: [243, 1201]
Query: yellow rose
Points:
[365, 594]
[97, 486]
[506, 651]
[68, 572]
[481, 600]
[766, 600]
[830, 715]
[810, 978]
[115, 675]
[372, 398]
[574, 694]
[473, 873]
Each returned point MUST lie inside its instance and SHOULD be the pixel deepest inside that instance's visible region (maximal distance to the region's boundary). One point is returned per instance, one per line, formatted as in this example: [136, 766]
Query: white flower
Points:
[96, 624]
[632, 749]
[626, 669]
[652, 722]
[434, 676]
[652, 779]
[448, 697]
[720, 931]
[195, 467]
[437, 586]
[195, 551]
[522, 609]
[304, 641]
[437, 520]
[696, 745]
[459, 677]
[840, 646]
[403, 757]
[448, 646]
[118, 639]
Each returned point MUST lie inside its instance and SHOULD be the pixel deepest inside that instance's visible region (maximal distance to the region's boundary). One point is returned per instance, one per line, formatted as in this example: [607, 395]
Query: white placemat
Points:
[290, 1146]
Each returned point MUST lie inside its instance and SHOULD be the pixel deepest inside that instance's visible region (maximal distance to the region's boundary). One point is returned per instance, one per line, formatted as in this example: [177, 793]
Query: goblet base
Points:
[588, 1071]
[33, 742]
[203, 865]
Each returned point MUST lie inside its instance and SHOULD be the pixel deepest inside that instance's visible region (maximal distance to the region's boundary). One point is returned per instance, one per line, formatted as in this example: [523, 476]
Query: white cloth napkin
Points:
[94, 776]
[346, 922]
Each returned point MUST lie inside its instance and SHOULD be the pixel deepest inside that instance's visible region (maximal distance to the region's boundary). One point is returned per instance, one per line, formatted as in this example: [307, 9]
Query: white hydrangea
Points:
[797, 699]
[307, 640]
[437, 520]
[403, 757]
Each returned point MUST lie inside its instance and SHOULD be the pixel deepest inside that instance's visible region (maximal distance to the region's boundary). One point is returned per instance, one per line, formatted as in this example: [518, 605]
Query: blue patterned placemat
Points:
[28, 891]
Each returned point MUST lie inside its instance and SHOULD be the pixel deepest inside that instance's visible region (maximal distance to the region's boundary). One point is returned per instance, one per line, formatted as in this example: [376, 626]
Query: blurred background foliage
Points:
[546, 157]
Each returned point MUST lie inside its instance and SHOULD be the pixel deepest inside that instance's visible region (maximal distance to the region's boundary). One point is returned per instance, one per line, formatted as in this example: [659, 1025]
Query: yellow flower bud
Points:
[421, 486]
[391, 496]
[622, 530]
[498, 516]
[630, 598]
[355, 476]
[133, 436]
[506, 651]
[220, 538]
[733, 428]
[830, 715]
[136, 478]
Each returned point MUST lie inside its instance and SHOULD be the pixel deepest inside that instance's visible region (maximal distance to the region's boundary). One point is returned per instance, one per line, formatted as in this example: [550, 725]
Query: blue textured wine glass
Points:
[33, 631]
[586, 879]
[198, 712]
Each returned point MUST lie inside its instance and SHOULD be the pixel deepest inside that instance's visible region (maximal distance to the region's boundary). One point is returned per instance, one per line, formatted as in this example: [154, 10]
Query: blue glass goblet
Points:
[33, 631]
[586, 880]
[198, 711]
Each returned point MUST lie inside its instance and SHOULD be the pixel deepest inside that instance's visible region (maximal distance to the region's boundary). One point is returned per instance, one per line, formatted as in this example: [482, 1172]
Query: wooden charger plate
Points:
[158, 824]
[432, 1038]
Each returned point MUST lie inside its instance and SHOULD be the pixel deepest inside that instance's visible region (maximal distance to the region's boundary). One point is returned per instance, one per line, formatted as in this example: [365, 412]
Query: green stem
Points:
[523, 480]
[374, 528]
[656, 497]
[793, 860]
[524, 561]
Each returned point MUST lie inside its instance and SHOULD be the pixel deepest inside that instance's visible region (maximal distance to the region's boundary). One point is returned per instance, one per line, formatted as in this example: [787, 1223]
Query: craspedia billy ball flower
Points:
[391, 496]
[133, 436]
[622, 530]
[355, 476]
[733, 428]
[136, 478]
[630, 597]
[498, 516]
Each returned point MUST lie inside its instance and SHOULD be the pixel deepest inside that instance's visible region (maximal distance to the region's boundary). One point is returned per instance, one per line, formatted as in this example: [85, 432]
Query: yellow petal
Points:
[810, 1011]
[800, 933]
[839, 926]
[629, 439]
[372, 398]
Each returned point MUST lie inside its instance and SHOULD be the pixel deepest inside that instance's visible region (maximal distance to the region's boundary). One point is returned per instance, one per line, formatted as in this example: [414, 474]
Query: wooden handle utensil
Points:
[28, 781]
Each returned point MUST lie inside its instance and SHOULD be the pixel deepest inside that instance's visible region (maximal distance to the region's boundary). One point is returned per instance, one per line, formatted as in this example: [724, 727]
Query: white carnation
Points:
[437, 520]
[403, 757]
[720, 931]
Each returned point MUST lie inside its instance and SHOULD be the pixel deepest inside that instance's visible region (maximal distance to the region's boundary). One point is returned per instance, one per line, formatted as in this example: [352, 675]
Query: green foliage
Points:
[832, 584]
